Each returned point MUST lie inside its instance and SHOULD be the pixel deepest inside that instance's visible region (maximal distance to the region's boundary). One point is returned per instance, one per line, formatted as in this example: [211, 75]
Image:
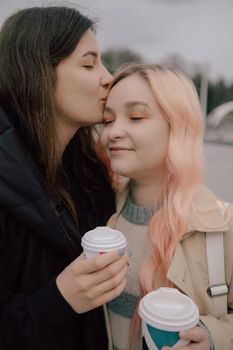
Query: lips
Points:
[119, 148]
[103, 99]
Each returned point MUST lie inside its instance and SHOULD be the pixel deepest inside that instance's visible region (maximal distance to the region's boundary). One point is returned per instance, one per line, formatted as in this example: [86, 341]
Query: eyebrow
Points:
[92, 53]
[128, 105]
[137, 103]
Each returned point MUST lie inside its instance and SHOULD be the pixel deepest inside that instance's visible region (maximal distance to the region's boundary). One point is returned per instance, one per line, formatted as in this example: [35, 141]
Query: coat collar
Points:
[206, 214]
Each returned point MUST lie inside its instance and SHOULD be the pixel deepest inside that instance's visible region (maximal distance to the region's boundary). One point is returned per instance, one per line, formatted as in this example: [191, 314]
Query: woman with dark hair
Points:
[54, 188]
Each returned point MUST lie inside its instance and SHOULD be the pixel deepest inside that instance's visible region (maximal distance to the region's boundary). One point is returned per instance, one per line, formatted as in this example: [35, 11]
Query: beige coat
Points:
[188, 269]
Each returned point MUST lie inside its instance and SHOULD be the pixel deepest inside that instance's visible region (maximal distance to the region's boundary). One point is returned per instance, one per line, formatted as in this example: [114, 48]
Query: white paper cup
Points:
[164, 313]
[101, 240]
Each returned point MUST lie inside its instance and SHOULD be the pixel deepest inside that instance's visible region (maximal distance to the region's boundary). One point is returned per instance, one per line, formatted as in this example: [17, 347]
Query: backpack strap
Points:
[218, 288]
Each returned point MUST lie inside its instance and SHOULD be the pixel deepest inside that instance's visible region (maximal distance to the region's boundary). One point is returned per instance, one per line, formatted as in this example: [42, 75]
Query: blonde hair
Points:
[178, 101]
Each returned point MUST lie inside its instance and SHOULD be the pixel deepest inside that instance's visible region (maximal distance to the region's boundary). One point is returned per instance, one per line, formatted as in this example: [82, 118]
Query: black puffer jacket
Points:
[35, 246]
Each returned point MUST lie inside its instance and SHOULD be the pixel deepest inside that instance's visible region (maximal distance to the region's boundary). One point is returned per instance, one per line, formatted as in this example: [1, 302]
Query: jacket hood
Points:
[22, 195]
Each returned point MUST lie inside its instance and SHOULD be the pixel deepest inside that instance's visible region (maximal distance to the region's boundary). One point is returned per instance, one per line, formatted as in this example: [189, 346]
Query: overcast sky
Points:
[200, 31]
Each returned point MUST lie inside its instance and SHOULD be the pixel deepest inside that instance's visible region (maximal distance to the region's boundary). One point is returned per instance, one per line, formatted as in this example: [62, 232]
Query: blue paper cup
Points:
[164, 313]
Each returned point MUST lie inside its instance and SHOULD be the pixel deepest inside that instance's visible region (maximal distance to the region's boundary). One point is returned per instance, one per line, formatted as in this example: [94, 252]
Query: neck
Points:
[145, 193]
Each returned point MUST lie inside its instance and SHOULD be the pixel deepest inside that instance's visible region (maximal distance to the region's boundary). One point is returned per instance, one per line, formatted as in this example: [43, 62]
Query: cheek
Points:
[160, 150]
[104, 138]
[89, 84]
[153, 148]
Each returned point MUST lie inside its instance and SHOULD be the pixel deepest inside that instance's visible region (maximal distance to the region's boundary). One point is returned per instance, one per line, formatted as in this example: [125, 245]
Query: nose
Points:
[106, 78]
[116, 130]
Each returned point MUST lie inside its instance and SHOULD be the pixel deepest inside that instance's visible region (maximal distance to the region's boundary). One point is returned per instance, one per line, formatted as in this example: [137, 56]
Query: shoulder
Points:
[229, 233]
[214, 214]
[209, 213]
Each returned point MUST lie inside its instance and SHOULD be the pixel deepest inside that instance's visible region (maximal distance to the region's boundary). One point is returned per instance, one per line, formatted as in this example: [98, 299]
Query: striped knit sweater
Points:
[133, 223]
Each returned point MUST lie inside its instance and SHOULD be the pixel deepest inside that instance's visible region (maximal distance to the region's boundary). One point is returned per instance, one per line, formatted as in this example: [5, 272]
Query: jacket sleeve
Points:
[221, 331]
[34, 321]
[29, 320]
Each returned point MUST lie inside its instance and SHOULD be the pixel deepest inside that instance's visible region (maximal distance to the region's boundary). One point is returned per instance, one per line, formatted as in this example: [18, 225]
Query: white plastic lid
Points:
[103, 238]
[168, 309]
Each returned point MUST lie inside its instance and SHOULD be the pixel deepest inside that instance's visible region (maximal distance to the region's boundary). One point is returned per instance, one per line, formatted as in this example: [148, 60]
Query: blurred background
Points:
[193, 35]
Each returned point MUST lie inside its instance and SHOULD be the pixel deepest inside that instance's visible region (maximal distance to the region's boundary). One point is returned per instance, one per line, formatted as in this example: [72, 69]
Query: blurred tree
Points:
[197, 81]
[177, 62]
[218, 93]
[113, 58]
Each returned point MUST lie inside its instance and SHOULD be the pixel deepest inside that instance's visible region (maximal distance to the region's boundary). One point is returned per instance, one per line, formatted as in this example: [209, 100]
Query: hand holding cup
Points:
[88, 283]
[165, 313]
[197, 337]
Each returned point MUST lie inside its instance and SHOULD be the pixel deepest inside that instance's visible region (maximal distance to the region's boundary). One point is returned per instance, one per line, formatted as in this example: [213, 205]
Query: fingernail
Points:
[121, 251]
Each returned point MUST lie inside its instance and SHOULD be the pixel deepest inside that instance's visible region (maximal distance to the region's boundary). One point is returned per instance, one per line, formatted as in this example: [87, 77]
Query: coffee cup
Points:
[164, 313]
[101, 240]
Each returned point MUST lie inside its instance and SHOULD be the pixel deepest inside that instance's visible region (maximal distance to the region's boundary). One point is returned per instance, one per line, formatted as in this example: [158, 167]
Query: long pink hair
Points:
[178, 101]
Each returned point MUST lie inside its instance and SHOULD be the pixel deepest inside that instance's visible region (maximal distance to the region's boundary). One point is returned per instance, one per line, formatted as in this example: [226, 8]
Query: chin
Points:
[119, 171]
[95, 120]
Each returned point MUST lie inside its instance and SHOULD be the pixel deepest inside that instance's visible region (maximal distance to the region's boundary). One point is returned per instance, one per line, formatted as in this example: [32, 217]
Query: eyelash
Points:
[107, 122]
[89, 67]
[136, 118]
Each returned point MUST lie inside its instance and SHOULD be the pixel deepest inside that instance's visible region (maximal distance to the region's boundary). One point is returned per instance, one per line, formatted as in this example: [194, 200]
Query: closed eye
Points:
[88, 66]
[136, 118]
[108, 118]
[107, 122]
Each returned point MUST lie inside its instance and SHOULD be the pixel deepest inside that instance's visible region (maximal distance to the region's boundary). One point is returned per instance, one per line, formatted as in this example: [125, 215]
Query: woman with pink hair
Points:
[153, 133]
